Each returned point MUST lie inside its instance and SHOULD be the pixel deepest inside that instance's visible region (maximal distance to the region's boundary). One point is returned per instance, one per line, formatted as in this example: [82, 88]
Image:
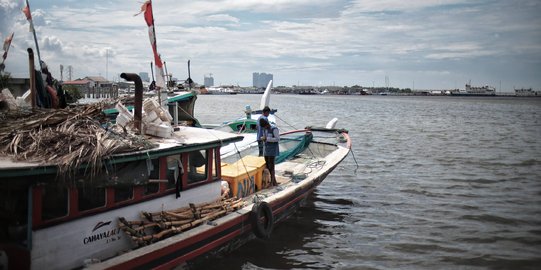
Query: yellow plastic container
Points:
[253, 162]
[240, 183]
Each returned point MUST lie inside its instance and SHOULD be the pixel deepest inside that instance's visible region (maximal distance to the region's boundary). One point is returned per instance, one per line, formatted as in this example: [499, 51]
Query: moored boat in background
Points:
[475, 91]
[526, 92]
[248, 123]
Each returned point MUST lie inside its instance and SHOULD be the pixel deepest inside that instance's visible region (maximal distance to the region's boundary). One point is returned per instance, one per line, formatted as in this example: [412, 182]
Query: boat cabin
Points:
[39, 202]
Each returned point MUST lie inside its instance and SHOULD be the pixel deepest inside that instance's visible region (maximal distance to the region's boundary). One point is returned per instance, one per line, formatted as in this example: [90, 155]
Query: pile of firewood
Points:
[160, 225]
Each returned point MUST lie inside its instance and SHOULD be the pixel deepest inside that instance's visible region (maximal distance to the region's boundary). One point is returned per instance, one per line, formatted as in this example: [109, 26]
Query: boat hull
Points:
[226, 233]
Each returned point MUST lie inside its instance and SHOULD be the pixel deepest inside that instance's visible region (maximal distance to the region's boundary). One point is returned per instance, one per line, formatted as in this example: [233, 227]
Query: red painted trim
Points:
[184, 159]
[138, 192]
[348, 139]
[36, 206]
[218, 163]
[210, 164]
[163, 173]
[203, 250]
[148, 257]
[290, 202]
[109, 197]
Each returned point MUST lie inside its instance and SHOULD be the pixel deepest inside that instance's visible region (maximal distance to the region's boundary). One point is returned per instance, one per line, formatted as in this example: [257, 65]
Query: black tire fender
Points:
[262, 220]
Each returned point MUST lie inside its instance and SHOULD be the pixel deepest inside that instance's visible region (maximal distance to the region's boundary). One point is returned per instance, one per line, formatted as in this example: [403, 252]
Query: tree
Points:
[72, 93]
[4, 80]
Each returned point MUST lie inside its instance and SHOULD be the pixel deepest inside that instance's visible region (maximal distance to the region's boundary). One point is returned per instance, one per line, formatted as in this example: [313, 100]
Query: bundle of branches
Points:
[67, 138]
[160, 225]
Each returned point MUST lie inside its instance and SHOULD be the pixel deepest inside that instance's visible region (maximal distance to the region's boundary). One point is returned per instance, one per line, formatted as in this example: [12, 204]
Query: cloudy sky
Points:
[420, 44]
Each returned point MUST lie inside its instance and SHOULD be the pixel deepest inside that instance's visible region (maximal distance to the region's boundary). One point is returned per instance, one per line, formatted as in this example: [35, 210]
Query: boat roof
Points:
[184, 139]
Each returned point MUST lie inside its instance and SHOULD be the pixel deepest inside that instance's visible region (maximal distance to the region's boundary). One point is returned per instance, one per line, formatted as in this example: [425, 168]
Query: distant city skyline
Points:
[261, 80]
[428, 44]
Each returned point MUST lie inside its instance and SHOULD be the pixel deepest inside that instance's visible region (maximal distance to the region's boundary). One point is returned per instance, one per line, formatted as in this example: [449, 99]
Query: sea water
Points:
[432, 183]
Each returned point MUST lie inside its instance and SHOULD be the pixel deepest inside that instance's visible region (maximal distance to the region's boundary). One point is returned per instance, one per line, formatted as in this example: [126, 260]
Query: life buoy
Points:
[262, 220]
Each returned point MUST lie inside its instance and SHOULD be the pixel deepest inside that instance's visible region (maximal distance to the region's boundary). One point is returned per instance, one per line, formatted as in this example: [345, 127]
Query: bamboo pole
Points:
[166, 223]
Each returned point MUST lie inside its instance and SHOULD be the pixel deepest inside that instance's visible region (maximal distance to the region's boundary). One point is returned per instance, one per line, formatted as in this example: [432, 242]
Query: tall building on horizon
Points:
[208, 80]
[260, 80]
[144, 76]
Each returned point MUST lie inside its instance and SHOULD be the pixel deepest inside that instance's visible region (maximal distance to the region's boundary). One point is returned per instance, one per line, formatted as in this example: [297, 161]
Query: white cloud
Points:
[222, 18]
[346, 42]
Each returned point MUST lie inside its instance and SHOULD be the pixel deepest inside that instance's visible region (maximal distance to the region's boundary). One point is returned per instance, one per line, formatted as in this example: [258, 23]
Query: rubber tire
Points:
[260, 210]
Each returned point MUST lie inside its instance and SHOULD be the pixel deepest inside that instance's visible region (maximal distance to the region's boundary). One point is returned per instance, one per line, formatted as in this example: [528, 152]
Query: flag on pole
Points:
[158, 65]
[26, 11]
[7, 44]
[28, 14]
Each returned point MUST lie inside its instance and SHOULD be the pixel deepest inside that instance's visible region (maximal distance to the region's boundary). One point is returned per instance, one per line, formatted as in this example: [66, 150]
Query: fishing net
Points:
[292, 144]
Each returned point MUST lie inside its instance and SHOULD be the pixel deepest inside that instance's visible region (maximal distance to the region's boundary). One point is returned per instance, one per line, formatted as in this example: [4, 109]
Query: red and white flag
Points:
[7, 42]
[147, 9]
[28, 14]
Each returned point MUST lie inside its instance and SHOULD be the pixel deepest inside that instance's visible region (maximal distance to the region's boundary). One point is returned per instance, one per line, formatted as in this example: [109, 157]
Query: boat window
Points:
[197, 166]
[13, 212]
[174, 170]
[54, 202]
[123, 193]
[240, 127]
[90, 198]
[154, 169]
[153, 174]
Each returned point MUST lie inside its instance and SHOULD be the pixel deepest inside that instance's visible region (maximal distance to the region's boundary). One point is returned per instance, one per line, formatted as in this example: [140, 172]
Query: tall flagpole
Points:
[149, 19]
[35, 37]
[155, 41]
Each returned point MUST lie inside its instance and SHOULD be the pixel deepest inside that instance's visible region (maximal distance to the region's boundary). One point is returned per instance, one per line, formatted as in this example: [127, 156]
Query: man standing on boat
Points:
[264, 115]
[271, 139]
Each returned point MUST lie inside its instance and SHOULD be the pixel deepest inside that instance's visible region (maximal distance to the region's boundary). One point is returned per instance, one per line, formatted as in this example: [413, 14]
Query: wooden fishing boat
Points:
[166, 204]
[248, 123]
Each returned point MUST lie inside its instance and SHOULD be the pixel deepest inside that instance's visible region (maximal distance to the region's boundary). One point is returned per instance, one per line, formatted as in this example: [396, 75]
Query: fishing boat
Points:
[149, 202]
[179, 104]
[248, 123]
[247, 126]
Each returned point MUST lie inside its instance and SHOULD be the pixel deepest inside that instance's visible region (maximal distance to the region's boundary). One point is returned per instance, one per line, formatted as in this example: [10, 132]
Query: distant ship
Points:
[221, 90]
[526, 92]
[475, 91]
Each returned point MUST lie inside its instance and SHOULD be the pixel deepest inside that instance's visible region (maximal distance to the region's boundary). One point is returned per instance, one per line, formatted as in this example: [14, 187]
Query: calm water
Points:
[441, 183]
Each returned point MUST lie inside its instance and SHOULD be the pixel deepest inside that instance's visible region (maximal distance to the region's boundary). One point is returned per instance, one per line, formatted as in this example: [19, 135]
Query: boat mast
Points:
[189, 77]
[167, 78]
